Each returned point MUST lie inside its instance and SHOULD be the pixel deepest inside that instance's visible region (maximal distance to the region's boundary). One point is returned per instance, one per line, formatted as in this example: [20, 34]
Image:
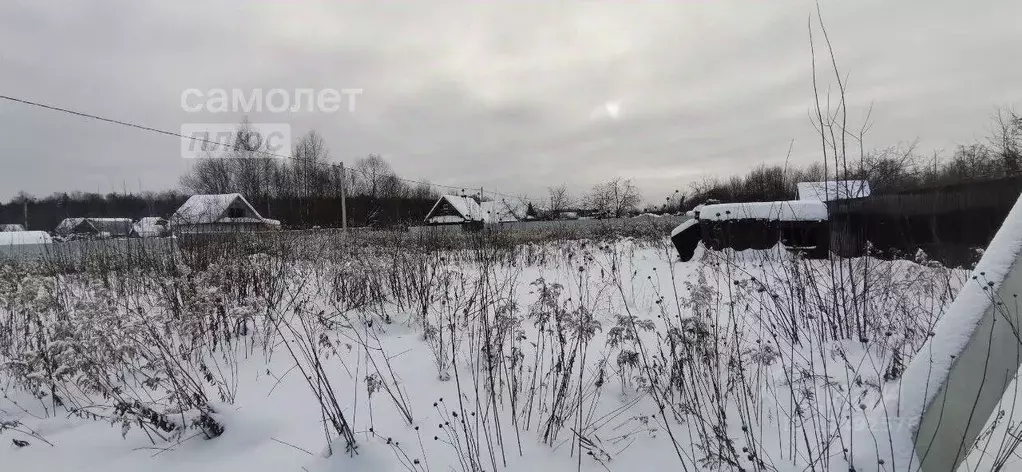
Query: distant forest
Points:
[301, 192]
[888, 170]
[45, 214]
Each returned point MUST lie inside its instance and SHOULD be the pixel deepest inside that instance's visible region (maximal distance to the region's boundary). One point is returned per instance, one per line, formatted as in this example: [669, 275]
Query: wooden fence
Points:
[609, 224]
[951, 224]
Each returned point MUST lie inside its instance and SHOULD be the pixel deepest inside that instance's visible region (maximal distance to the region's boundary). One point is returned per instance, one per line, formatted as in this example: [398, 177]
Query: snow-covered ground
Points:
[556, 356]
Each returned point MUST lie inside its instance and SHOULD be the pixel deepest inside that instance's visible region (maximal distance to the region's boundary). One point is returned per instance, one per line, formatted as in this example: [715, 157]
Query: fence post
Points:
[955, 382]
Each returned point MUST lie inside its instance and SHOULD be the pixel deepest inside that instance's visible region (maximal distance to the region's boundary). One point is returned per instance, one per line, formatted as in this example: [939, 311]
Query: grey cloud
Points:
[497, 94]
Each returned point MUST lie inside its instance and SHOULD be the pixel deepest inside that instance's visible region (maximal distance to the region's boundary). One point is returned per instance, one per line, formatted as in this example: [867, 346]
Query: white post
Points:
[953, 385]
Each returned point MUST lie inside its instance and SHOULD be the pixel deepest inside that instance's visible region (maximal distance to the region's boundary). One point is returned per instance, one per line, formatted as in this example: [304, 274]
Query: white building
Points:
[219, 214]
[20, 238]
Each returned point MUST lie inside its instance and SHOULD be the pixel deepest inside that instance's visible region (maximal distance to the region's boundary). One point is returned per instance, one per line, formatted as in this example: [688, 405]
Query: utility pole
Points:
[25, 210]
[344, 203]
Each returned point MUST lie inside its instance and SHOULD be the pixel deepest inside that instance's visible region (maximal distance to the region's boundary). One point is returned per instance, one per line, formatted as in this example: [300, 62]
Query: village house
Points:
[82, 228]
[222, 213]
[464, 210]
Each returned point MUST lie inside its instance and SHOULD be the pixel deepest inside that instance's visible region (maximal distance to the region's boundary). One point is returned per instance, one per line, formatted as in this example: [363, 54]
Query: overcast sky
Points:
[513, 96]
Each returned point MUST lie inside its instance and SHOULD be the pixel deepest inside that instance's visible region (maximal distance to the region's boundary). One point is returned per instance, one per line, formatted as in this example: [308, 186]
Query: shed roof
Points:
[794, 210]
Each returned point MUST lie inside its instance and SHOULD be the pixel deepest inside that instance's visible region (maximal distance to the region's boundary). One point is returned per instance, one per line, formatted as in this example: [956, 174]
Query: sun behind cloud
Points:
[610, 109]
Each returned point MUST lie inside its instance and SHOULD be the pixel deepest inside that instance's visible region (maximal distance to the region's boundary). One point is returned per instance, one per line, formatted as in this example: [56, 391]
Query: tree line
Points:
[895, 168]
[302, 191]
[44, 214]
[305, 190]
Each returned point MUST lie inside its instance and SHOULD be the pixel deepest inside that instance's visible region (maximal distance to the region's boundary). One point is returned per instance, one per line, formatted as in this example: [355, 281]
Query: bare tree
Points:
[1006, 140]
[890, 168]
[422, 191]
[248, 163]
[308, 168]
[615, 198]
[208, 175]
[560, 200]
[374, 177]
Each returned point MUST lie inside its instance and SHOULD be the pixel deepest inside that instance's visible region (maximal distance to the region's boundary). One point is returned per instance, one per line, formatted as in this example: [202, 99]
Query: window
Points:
[235, 212]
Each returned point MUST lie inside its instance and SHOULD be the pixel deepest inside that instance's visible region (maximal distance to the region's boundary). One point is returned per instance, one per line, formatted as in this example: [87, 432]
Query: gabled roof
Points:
[468, 209]
[202, 209]
[114, 226]
[69, 225]
[833, 190]
[501, 211]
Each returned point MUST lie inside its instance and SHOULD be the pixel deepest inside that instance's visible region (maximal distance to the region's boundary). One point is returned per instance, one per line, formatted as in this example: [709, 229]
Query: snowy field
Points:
[480, 354]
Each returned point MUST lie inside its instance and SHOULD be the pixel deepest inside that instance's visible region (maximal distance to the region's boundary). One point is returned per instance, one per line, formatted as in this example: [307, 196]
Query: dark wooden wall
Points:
[951, 224]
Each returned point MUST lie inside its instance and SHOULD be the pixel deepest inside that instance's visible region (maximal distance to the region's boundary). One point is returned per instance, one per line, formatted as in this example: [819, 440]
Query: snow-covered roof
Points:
[791, 210]
[149, 221]
[468, 209]
[114, 226]
[150, 226]
[16, 238]
[693, 212]
[683, 226]
[6, 228]
[833, 190]
[69, 224]
[202, 209]
[501, 211]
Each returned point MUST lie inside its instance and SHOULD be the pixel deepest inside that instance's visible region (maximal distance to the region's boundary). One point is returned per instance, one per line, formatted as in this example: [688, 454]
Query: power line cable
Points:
[215, 143]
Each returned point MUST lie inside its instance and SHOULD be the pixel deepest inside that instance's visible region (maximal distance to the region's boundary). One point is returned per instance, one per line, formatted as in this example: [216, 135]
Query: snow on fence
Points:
[800, 225]
[665, 222]
[953, 385]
